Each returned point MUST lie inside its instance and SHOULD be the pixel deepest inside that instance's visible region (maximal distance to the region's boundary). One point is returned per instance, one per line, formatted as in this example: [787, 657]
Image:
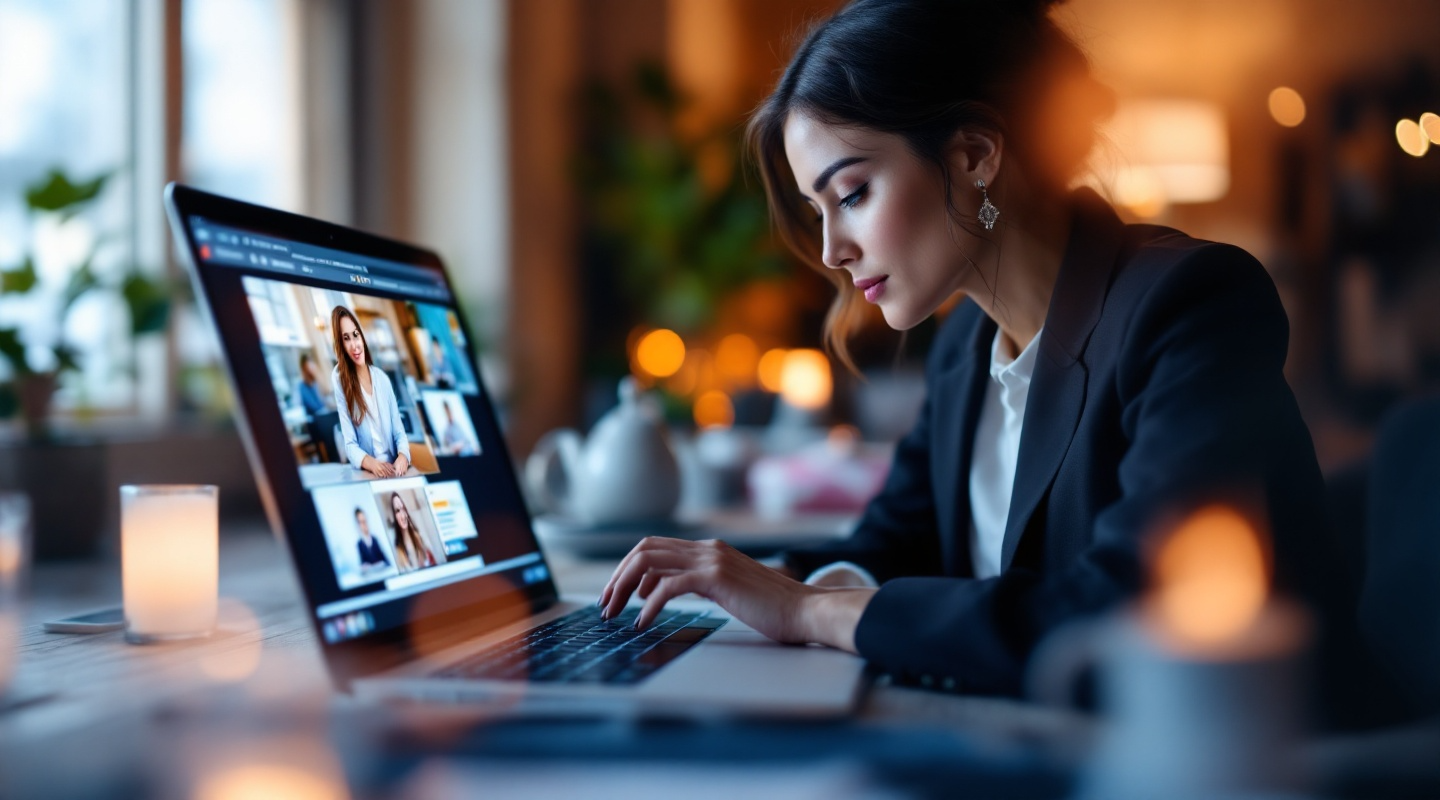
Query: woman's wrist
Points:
[831, 616]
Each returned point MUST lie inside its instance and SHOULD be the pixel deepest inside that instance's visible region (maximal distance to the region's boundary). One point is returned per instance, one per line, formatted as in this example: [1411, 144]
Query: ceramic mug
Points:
[1183, 722]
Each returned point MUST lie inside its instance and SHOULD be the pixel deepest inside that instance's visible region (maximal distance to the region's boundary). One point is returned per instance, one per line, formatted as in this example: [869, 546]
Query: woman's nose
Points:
[838, 249]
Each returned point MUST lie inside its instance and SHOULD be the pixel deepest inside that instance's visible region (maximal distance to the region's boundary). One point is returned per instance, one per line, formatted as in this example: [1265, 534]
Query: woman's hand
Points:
[777, 606]
[376, 467]
[402, 464]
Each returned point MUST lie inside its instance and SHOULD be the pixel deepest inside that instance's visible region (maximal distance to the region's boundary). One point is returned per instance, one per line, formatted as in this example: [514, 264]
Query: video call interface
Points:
[379, 398]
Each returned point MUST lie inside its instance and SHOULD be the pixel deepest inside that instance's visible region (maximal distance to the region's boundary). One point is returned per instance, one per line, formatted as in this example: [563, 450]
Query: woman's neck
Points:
[1015, 278]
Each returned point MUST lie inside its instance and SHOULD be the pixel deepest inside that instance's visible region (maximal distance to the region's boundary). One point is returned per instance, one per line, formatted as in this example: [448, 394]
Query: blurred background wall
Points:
[575, 163]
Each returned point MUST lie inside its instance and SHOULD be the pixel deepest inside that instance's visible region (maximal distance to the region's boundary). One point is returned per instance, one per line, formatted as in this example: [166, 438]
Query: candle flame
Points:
[1210, 577]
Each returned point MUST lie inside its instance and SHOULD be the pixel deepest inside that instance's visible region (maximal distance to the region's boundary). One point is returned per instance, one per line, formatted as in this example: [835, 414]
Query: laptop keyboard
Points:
[580, 647]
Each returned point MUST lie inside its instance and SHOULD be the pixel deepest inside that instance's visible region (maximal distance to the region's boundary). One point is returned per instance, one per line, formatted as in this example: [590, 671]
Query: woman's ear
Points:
[975, 154]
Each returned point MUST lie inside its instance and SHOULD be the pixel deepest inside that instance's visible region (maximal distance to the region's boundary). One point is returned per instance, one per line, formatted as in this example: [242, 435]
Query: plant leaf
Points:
[65, 358]
[149, 303]
[57, 193]
[19, 280]
[81, 281]
[14, 351]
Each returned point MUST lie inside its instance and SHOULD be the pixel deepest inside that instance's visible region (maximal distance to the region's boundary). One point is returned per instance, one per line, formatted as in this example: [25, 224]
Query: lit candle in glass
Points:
[1202, 684]
[14, 536]
[170, 561]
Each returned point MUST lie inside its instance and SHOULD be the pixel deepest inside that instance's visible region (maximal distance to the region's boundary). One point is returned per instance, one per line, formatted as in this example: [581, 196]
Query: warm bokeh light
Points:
[736, 358]
[660, 353]
[1412, 140]
[1430, 126]
[1183, 143]
[713, 409]
[805, 379]
[772, 368]
[1287, 106]
[1139, 191]
[684, 382]
[243, 644]
[1210, 577]
[268, 781]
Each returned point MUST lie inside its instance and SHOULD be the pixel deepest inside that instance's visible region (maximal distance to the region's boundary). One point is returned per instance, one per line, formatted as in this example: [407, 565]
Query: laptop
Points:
[422, 575]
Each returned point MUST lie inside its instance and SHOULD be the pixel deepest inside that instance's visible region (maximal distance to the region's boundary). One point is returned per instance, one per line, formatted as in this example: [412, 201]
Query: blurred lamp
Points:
[713, 409]
[771, 369]
[805, 381]
[1430, 125]
[1287, 106]
[1172, 151]
[1411, 138]
[660, 353]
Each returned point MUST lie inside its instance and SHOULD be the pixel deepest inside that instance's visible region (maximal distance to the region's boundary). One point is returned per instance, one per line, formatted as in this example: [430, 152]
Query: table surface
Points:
[89, 715]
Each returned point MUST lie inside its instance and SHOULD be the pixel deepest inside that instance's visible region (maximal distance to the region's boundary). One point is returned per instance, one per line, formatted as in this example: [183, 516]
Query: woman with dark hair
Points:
[410, 550]
[370, 421]
[1096, 380]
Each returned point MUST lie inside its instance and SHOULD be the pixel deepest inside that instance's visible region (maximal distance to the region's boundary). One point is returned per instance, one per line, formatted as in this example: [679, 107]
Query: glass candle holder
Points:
[170, 561]
[14, 550]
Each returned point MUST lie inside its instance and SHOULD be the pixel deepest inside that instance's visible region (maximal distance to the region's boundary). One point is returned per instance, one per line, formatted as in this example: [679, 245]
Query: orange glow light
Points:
[736, 358]
[714, 410]
[241, 657]
[1287, 106]
[265, 781]
[1412, 140]
[1210, 578]
[805, 379]
[1430, 125]
[772, 368]
[660, 353]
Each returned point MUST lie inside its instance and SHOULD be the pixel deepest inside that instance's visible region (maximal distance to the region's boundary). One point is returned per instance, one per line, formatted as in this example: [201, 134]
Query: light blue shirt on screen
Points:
[382, 422]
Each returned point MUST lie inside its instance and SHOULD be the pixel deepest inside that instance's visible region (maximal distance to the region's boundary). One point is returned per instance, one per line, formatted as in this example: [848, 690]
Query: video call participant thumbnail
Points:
[370, 423]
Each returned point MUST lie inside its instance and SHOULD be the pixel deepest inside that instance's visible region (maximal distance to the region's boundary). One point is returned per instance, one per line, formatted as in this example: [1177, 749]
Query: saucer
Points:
[604, 541]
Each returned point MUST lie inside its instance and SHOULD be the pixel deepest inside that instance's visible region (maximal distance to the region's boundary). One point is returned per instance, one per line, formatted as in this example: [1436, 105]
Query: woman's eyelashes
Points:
[853, 199]
[847, 202]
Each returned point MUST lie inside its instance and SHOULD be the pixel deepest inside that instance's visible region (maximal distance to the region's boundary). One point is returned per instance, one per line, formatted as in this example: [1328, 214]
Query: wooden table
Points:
[92, 716]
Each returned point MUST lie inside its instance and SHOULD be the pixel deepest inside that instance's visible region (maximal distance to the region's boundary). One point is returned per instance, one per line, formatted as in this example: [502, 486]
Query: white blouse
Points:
[997, 449]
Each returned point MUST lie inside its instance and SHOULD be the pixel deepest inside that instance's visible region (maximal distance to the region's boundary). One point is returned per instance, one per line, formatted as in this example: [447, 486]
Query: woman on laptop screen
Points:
[369, 414]
[1095, 379]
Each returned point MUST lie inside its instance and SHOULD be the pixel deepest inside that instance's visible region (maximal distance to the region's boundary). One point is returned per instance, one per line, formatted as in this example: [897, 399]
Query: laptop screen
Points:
[381, 450]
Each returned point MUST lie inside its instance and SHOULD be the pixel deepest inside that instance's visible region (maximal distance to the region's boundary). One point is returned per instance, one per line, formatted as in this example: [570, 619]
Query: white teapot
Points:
[625, 473]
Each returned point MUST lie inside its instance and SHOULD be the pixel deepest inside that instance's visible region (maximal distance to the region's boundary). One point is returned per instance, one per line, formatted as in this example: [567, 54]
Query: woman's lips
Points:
[872, 287]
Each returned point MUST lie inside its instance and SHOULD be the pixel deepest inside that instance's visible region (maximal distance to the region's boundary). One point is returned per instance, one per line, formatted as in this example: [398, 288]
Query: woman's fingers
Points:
[627, 578]
[667, 588]
[648, 544]
[647, 583]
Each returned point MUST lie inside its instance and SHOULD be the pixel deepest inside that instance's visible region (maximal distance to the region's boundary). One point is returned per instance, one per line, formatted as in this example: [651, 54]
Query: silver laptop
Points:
[407, 529]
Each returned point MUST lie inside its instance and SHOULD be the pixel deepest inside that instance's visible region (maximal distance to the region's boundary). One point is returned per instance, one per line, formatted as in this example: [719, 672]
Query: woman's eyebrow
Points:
[829, 172]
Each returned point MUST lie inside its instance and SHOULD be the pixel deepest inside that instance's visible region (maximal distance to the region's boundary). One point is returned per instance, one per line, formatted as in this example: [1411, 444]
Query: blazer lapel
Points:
[958, 394]
[1057, 389]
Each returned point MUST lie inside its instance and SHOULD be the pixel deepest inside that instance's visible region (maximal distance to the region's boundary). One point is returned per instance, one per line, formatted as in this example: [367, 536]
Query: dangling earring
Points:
[988, 212]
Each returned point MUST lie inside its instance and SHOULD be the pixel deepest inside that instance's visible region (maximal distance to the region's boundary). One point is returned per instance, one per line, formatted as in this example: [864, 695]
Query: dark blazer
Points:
[1158, 387]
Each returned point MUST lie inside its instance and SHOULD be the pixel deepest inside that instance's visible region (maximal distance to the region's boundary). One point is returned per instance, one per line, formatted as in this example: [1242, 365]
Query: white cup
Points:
[170, 561]
[14, 550]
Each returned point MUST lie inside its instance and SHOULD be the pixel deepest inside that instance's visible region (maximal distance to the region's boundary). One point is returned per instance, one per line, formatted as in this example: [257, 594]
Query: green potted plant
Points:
[66, 477]
[37, 367]
[672, 215]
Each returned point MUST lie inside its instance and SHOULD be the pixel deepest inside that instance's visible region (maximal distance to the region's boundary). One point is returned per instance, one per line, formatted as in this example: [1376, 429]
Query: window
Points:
[64, 89]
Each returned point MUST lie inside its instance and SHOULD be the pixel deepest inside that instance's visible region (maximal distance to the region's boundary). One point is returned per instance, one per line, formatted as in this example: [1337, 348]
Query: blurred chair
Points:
[1400, 600]
[322, 435]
